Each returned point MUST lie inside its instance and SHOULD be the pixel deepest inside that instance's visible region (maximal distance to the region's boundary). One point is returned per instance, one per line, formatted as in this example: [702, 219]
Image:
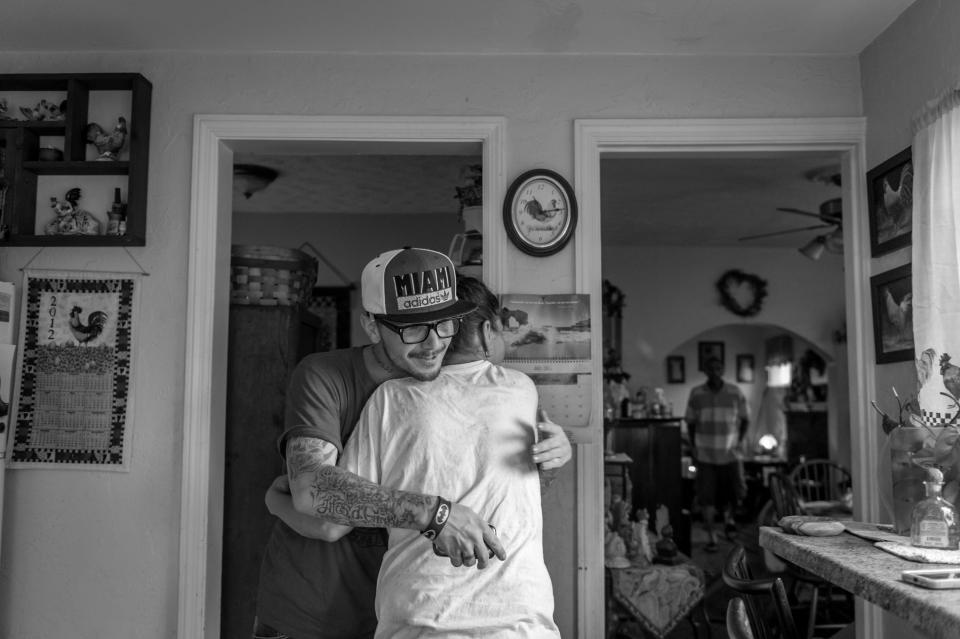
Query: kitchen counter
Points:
[857, 566]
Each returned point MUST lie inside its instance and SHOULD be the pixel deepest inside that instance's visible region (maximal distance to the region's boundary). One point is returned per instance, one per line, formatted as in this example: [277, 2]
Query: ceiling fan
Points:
[830, 217]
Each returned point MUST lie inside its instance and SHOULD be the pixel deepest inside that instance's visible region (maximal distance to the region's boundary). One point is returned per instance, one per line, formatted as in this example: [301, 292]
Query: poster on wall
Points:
[548, 338]
[75, 371]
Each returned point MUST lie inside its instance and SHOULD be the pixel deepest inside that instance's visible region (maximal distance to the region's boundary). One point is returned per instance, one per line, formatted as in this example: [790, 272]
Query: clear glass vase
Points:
[906, 476]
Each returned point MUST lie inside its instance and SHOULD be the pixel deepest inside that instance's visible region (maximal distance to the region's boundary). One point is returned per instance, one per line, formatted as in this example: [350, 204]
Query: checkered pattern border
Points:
[97, 441]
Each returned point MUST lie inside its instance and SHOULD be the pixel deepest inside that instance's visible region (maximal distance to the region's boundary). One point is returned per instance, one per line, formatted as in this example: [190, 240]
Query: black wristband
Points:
[438, 520]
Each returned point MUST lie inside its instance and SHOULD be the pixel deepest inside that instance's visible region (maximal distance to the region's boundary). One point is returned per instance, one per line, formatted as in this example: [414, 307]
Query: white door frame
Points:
[201, 499]
[595, 138]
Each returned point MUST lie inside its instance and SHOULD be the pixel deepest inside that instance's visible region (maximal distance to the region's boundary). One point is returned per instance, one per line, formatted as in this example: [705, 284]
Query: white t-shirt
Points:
[465, 436]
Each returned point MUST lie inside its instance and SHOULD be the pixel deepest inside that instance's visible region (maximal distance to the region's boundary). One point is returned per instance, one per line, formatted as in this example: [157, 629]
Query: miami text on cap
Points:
[412, 285]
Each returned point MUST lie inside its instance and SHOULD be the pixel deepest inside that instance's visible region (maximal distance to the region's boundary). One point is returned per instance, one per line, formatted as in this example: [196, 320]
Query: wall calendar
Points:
[548, 338]
[75, 371]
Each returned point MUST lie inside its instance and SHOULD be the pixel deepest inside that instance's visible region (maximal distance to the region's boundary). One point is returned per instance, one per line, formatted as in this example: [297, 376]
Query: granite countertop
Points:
[857, 566]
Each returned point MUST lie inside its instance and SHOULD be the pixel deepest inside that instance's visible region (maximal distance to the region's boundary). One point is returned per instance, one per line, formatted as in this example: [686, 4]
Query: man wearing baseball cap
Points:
[313, 589]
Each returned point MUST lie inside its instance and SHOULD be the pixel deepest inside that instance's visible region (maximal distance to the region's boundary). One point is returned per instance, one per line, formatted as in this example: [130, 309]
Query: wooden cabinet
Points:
[807, 435]
[265, 343]
[656, 472]
[23, 166]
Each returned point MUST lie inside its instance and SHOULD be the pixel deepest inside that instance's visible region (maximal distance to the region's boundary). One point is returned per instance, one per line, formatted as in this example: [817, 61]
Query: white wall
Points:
[670, 296]
[913, 61]
[95, 554]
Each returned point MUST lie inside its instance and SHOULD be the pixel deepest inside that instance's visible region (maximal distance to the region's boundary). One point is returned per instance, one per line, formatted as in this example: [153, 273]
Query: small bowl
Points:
[49, 154]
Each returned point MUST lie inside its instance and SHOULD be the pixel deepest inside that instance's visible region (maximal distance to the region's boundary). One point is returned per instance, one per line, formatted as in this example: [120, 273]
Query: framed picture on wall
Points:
[890, 203]
[676, 373]
[892, 296]
[707, 351]
[745, 369]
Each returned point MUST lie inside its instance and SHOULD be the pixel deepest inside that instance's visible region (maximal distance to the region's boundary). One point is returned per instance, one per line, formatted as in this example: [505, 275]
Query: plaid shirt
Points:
[716, 417]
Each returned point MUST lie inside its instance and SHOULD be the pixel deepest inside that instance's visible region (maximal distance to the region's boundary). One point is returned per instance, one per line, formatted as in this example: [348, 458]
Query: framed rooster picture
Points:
[892, 296]
[74, 371]
[890, 203]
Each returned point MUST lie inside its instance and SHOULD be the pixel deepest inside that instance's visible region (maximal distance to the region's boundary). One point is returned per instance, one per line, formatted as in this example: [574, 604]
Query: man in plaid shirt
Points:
[717, 421]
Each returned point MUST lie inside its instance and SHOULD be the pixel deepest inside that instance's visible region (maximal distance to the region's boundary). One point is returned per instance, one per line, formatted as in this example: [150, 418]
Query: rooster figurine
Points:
[108, 144]
[89, 332]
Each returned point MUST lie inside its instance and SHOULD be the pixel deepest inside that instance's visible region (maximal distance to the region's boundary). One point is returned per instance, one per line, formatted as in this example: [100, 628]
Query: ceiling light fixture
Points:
[815, 247]
[252, 178]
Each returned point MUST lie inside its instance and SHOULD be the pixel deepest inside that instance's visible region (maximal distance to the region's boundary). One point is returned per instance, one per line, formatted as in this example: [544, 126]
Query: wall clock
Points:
[540, 212]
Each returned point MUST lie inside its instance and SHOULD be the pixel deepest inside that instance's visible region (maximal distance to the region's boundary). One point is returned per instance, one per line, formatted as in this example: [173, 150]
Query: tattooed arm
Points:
[321, 489]
[280, 504]
[343, 499]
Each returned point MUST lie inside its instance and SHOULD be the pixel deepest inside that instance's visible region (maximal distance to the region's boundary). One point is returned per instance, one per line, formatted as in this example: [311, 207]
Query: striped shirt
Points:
[716, 416]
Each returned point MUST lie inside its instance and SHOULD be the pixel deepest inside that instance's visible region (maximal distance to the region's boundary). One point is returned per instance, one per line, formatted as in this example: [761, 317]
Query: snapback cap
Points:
[410, 286]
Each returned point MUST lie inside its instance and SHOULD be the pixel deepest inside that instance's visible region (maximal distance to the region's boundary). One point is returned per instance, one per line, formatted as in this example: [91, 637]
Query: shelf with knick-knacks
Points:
[73, 159]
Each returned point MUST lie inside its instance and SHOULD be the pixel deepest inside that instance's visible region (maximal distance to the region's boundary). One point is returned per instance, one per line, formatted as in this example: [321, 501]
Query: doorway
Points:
[216, 139]
[596, 140]
[340, 203]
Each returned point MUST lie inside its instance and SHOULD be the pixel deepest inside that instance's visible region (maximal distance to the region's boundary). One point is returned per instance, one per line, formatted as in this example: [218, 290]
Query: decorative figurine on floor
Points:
[108, 144]
[71, 219]
[642, 531]
[667, 551]
[614, 548]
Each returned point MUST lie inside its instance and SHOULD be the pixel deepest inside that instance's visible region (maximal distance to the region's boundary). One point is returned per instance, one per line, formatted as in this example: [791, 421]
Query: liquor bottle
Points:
[117, 224]
[934, 523]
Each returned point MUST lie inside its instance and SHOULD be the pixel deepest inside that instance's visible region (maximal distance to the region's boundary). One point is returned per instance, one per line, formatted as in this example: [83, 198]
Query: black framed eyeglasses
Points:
[416, 333]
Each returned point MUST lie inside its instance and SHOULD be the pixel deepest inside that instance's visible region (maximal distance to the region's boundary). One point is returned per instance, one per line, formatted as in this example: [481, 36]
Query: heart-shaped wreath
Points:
[741, 293]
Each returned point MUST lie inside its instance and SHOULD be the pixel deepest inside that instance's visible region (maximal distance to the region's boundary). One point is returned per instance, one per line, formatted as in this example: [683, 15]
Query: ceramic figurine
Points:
[615, 551]
[642, 531]
[71, 219]
[108, 144]
[667, 551]
[44, 110]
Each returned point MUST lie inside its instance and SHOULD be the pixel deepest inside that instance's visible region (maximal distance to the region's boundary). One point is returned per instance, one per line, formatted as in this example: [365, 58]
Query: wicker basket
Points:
[271, 276]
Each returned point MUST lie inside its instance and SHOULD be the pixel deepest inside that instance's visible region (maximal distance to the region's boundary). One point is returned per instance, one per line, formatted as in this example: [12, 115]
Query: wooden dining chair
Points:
[785, 501]
[738, 623]
[822, 487]
[783, 496]
[760, 597]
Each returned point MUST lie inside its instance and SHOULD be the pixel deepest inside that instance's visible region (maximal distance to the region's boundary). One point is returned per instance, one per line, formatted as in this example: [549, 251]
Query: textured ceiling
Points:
[357, 184]
[713, 201]
[690, 27]
[665, 201]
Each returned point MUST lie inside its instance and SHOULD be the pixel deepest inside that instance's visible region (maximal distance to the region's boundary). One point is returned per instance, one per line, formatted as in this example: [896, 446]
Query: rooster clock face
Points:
[540, 212]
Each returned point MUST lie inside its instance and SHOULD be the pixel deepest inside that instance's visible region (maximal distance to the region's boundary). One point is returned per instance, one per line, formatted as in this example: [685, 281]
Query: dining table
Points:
[860, 567]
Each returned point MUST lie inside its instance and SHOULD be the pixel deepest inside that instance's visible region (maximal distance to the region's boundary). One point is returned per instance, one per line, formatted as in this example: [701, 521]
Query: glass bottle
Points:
[934, 523]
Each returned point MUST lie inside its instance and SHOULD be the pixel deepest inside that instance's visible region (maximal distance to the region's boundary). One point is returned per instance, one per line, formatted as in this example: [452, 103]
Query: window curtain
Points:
[936, 258]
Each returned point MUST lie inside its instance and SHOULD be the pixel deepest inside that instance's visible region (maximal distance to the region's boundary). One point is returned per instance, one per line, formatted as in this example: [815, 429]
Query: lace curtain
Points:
[936, 257]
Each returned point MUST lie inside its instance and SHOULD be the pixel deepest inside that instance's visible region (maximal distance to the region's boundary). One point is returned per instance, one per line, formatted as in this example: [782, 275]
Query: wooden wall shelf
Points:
[21, 166]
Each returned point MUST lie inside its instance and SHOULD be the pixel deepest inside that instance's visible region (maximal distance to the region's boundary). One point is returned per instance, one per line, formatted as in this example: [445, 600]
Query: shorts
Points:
[719, 485]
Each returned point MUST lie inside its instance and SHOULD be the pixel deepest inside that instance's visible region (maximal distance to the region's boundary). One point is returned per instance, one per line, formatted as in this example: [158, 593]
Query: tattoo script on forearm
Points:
[342, 497]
